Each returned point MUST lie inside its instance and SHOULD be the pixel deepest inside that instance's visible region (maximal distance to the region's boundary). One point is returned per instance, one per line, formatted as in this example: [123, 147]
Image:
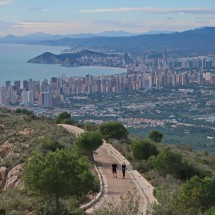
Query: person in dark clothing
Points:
[124, 168]
[114, 169]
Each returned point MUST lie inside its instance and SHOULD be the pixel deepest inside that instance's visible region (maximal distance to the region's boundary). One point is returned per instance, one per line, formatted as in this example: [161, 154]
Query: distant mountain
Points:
[197, 41]
[192, 42]
[159, 32]
[30, 38]
[39, 37]
[116, 34]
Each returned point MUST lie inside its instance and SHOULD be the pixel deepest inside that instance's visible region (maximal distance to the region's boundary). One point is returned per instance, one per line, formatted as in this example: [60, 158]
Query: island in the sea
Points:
[82, 58]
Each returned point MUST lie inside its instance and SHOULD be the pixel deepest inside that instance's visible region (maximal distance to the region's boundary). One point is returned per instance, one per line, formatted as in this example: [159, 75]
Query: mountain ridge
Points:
[40, 36]
[196, 41]
[192, 42]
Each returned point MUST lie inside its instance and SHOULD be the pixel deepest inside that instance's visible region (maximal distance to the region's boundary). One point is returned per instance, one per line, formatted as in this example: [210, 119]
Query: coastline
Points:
[13, 59]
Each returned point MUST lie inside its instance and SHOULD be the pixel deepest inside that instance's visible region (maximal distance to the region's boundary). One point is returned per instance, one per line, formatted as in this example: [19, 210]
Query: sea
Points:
[14, 66]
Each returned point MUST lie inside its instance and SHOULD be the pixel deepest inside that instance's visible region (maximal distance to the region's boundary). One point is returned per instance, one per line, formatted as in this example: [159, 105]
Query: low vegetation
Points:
[65, 118]
[57, 175]
[113, 130]
[88, 142]
[129, 204]
[183, 179]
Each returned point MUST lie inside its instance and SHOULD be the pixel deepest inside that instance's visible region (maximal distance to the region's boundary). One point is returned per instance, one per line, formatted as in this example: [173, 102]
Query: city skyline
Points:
[142, 76]
[72, 17]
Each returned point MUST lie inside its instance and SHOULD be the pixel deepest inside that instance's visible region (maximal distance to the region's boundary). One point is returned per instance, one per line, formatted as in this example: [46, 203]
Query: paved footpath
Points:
[114, 188]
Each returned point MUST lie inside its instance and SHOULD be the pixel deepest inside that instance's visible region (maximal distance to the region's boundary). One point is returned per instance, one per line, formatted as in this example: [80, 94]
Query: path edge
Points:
[99, 195]
[101, 180]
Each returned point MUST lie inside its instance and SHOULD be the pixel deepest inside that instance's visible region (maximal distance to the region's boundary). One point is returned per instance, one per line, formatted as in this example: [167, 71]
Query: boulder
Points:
[13, 177]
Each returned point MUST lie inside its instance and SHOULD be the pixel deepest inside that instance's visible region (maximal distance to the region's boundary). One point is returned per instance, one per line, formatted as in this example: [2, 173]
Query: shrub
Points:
[64, 118]
[143, 149]
[156, 136]
[113, 130]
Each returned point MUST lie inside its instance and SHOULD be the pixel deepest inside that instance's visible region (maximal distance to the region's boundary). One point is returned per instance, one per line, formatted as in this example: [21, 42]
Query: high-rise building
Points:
[2, 95]
[27, 98]
[45, 99]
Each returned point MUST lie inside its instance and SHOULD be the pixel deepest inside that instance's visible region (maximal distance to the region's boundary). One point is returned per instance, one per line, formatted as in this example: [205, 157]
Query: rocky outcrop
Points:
[13, 177]
[3, 176]
[68, 59]
[6, 149]
[26, 131]
[46, 58]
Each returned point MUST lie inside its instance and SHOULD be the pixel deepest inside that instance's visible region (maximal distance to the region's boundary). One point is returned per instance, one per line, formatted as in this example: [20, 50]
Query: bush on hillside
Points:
[196, 194]
[57, 175]
[65, 118]
[143, 149]
[88, 142]
[156, 136]
[113, 130]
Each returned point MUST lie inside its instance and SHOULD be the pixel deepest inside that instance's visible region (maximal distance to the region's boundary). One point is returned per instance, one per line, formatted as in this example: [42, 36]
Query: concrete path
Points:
[114, 188]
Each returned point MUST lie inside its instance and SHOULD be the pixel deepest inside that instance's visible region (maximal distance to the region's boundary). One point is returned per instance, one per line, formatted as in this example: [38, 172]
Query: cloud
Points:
[50, 27]
[117, 24]
[152, 10]
[35, 25]
[201, 22]
[5, 24]
[41, 9]
[97, 26]
[4, 2]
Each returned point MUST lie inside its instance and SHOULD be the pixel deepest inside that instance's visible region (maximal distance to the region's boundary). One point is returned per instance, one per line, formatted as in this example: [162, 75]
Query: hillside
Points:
[22, 134]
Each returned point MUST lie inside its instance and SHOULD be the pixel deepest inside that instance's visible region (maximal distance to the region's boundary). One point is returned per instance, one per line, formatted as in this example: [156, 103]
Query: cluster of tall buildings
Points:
[57, 90]
[142, 75]
[30, 93]
[202, 62]
[172, 63]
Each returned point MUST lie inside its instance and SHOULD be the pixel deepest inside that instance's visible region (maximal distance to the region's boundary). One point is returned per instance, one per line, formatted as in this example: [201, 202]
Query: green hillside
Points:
[37, 157]
[53, 170]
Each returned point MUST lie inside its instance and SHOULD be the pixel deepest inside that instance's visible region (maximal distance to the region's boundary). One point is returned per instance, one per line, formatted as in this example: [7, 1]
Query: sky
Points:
[20, 17]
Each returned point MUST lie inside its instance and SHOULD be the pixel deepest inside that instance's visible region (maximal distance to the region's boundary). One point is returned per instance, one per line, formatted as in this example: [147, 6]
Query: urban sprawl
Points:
[142, 74]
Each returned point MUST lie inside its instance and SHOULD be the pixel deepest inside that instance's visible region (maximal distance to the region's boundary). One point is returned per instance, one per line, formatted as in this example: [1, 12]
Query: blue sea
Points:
[14, 66]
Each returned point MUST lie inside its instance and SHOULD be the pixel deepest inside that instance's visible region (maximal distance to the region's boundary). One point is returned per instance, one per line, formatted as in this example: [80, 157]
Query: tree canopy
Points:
[90, 127]
[89, 142]
[196, 195]
[156, 136]
[143, 149]
[58, 174]
[64, 118]
[168, 162]
[113, 130]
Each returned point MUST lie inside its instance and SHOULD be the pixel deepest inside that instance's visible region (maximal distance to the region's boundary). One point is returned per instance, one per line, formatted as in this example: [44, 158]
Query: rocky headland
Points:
[82, 58]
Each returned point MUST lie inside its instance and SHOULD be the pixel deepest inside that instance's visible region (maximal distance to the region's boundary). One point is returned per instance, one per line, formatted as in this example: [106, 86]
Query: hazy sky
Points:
[83, 16]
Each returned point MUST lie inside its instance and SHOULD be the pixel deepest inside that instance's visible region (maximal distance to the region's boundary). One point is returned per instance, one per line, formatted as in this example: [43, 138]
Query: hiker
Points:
[114, 169]
[124, 168]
